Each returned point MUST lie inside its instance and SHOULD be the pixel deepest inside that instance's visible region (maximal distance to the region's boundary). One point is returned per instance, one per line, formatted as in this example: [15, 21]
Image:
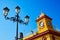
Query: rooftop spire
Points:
[42, 14]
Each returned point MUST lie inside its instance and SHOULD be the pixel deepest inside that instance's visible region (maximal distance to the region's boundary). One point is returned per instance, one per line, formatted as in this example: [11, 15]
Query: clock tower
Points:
[45, 29]
[44, 23]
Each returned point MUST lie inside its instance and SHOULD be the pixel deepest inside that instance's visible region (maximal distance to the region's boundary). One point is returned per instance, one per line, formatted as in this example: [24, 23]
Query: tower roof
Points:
[43, 16]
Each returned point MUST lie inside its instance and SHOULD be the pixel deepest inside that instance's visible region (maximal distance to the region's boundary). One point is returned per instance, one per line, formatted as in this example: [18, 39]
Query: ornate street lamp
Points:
[16, 18]
[17, 9]
[5, 11]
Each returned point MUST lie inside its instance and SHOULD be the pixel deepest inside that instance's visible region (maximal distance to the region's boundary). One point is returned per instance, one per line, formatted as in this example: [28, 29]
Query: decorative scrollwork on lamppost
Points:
[16, 18]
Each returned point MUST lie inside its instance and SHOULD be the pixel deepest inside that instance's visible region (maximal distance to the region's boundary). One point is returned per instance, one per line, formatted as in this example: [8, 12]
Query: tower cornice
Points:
[44, 16]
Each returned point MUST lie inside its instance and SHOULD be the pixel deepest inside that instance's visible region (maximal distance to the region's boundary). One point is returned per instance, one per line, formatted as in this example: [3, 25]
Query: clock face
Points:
[41, 23]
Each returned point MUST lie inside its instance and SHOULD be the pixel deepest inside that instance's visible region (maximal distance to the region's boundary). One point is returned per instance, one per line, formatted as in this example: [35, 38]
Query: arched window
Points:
[44, 38]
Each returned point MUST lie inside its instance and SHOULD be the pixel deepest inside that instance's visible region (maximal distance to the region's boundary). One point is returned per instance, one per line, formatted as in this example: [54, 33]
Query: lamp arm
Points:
[11, 18]
[14, 19]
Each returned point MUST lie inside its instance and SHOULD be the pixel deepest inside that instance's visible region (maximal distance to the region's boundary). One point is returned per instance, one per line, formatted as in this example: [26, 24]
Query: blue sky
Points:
[32, 8]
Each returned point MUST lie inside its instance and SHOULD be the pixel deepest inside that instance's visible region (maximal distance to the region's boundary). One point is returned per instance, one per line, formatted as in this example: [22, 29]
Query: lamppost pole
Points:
[15, 19]
[17, 28]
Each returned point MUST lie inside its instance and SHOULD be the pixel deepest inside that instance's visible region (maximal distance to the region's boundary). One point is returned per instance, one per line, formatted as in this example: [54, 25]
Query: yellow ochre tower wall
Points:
[46, 23]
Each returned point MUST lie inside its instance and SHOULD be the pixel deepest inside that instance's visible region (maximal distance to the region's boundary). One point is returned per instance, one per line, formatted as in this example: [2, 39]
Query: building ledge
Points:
[44, 33]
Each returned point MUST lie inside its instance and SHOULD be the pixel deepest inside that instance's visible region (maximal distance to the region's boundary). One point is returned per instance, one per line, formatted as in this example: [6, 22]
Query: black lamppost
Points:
[16, 18]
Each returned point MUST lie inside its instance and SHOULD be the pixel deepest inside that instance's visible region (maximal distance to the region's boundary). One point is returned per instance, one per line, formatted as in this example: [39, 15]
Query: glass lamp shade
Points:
[27, 19]
[17, 9]
[5, 11]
